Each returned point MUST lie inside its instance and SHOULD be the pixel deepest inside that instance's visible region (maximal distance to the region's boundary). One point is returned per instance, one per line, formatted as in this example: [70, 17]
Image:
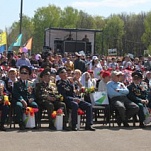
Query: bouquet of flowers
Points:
[85, 91]
[31, 111]
[57, 113]
[6, 100]
[80, 112]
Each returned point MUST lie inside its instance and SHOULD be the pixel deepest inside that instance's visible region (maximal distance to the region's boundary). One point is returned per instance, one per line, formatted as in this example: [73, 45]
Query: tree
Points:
[113, 33]
[85, 21]
[146, 38]
[44, 17]
[69, 17]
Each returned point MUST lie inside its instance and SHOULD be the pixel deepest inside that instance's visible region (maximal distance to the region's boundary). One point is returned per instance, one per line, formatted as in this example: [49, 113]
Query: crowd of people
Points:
[36, 81]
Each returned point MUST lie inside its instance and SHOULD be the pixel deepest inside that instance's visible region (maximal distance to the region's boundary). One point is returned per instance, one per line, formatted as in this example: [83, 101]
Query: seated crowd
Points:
[37, 82]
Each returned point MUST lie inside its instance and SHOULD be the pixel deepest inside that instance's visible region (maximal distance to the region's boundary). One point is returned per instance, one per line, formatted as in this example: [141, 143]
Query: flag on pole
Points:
[29, 44]
[10, 47]
[3, 39]
[16, 43]
[3, 42]
[18, 40]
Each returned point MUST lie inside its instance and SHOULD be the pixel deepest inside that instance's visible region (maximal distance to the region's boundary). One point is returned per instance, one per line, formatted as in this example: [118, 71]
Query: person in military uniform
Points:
[46, 97]
[23, 95]
[138, 94]
[66, 89]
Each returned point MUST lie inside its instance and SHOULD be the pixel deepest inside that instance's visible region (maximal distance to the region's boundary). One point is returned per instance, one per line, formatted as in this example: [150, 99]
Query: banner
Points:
[99, 98]
[2, 48]
[3, 39]
[29, 44]
[18, 41]
[112, 52]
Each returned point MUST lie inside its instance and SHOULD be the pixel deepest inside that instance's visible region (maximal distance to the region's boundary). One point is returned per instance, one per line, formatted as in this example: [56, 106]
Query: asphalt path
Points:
[105, 138]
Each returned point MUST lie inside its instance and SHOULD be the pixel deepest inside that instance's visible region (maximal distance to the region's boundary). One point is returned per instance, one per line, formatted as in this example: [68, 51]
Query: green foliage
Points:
[130, 33]
[113, 33]
[146, 38]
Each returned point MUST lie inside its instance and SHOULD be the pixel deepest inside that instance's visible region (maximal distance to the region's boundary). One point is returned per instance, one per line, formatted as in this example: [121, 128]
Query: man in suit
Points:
[46, 93]
[23, 95]
[66, 89]
[138, 93]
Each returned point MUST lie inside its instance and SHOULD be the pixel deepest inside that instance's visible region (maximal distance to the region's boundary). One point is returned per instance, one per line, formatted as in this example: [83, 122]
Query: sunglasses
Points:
[23, 73]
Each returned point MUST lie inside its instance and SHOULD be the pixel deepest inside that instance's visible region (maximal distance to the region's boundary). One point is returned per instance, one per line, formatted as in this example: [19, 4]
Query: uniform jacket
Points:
[20, 91]
[137, 93]
[43, 90]
[66, 89]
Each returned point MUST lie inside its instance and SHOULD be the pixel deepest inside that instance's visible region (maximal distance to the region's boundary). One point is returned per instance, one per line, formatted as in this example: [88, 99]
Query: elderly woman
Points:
[86, 80]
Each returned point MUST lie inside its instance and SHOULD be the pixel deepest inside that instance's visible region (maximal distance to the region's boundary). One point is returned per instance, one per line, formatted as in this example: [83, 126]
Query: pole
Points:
[21, 10]
[103, 53]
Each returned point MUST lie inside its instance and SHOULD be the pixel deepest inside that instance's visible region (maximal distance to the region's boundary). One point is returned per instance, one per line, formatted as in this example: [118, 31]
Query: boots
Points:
[2, 128]
[51, 126]
[65, 127]
[21, 125]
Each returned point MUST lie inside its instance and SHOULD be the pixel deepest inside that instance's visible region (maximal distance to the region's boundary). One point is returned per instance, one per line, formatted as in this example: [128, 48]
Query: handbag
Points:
[99, 98]
[147, 115]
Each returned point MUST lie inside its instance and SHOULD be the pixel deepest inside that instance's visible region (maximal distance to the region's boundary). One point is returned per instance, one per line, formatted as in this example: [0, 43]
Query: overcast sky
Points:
[10, 9]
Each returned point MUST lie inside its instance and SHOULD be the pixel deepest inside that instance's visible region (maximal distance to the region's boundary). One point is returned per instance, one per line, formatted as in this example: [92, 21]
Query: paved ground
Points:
[103, 139]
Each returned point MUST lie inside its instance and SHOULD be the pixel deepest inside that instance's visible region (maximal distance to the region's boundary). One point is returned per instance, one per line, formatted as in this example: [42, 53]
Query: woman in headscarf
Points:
[86, 80]
[95, 65]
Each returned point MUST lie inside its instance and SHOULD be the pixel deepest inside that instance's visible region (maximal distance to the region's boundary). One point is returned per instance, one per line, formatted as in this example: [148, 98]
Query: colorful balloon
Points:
[24, 49]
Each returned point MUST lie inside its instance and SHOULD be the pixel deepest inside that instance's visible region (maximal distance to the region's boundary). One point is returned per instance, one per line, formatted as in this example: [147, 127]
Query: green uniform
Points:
[136, 94]
[20, 92]
[43, 90]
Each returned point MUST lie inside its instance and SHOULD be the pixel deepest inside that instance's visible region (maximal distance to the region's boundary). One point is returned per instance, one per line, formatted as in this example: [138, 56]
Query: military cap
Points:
[137, 74]
[45, 72]
[61, 70]
[25, 69]
[53, 71]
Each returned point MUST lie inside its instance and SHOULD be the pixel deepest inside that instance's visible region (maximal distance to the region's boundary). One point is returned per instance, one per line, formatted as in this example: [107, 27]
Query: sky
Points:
[10, 9]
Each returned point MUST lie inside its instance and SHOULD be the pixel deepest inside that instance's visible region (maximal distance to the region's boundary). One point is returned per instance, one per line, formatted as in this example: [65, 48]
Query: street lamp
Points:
[21, 10]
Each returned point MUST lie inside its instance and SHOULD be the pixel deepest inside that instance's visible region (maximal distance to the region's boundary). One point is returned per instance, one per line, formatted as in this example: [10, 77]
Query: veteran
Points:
[23, 95]
[46, 97]
[66, 88]
[138, 93]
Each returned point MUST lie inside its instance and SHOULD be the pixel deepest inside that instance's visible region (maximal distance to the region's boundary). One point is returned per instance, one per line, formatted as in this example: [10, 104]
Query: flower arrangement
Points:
[87, 90]
[80, 112]
[31, 111]
[57, 113]
[6, 100]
